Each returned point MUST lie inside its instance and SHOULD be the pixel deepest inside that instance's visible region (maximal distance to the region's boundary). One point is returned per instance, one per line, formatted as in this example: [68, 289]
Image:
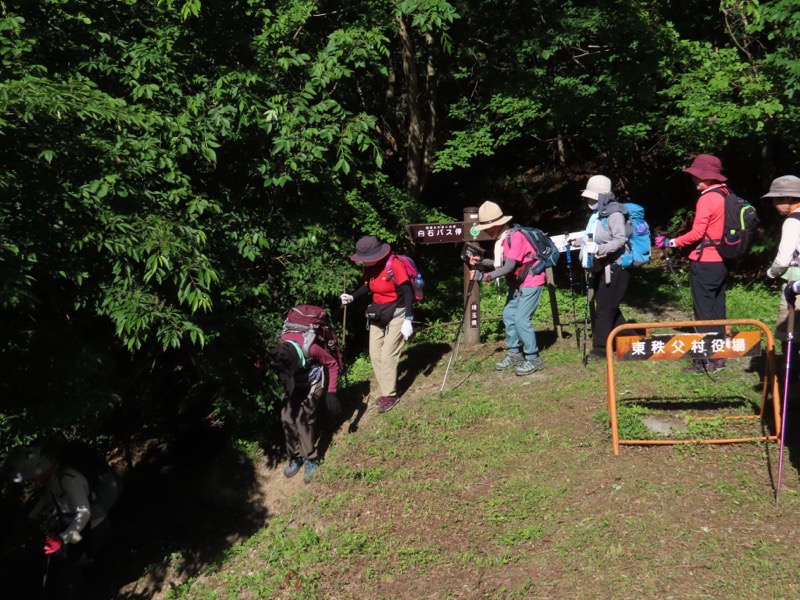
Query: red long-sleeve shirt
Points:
[709, 220]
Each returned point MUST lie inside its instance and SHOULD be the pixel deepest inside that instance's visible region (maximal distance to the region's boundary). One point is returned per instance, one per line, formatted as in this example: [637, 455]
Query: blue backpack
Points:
[639, 242]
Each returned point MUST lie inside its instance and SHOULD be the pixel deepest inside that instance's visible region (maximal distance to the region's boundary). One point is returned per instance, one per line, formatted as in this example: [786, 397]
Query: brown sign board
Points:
[442, 233]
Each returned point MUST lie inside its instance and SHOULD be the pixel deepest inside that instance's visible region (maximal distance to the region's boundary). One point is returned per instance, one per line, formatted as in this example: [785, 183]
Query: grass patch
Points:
[507, 487]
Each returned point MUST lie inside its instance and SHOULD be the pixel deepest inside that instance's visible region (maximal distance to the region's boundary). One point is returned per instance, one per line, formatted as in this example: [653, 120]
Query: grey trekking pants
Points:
[299, 414]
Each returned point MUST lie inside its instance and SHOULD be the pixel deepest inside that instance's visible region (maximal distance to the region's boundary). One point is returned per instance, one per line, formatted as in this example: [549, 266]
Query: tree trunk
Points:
[416, 139]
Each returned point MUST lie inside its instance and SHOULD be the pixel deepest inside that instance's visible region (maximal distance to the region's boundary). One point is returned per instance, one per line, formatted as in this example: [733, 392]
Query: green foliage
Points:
[177, 174]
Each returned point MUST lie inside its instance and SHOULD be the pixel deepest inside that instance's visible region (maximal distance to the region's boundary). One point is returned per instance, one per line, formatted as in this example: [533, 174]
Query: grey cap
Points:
[786, 186]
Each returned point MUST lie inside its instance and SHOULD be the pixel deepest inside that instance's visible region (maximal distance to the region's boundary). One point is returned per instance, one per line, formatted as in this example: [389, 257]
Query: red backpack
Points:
[313, 325]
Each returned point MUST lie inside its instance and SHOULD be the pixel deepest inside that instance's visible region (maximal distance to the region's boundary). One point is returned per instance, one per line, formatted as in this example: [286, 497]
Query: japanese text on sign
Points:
[689, 345]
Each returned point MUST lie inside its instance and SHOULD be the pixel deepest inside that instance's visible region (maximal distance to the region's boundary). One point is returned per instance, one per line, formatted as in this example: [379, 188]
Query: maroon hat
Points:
[706, 166]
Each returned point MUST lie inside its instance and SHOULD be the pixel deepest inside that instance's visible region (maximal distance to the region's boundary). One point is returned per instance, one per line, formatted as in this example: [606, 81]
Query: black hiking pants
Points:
[707, 283]
[608, 297]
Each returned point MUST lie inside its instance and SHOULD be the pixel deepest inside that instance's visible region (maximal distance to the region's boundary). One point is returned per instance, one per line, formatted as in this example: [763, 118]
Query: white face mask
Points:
[593, 205]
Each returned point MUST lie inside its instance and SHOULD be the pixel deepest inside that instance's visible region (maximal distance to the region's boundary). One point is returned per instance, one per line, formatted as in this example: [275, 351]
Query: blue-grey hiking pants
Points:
[521, 303]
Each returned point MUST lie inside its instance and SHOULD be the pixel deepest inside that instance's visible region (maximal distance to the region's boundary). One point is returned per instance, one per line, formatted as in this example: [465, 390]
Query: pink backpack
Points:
[417, 283]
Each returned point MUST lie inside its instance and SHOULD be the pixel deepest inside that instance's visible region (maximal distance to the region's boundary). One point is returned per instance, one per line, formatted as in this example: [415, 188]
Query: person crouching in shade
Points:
[304, 382]
[82, 530]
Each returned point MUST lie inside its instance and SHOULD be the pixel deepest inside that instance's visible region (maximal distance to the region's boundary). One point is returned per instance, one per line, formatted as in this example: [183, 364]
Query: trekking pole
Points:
[344, 327]
[589, 263]
[585, 359]
[46, 573]
[457, 341]
[789, 339]
[572, 290]
[671, 268]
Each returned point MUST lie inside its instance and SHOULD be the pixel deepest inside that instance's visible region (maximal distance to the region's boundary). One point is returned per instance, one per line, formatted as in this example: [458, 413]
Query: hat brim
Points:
[705, 175]
[381, 252]
[786, 194]
[501, 221]
[592, 195]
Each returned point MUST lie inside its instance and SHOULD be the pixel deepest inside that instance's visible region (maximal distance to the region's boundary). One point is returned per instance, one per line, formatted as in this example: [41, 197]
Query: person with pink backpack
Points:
[389, 316]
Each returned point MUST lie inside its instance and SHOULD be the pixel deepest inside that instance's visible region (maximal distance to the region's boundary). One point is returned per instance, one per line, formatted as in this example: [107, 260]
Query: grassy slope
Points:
[507, 487]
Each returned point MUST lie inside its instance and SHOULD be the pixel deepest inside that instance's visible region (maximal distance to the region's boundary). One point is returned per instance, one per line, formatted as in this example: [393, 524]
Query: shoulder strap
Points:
[299, 350]
[725, 192]
[511, 231]
[389, 269]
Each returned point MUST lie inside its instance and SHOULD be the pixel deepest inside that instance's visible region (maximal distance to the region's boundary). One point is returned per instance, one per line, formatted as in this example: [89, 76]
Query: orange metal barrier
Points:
[770, 379]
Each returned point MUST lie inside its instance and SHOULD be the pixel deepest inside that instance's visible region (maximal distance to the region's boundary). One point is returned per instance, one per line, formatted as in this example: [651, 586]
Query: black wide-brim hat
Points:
[370, 249]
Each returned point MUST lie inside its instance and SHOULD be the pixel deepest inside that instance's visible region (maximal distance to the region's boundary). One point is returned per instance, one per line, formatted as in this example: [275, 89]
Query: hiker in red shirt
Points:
[390, 315]
[707, 270]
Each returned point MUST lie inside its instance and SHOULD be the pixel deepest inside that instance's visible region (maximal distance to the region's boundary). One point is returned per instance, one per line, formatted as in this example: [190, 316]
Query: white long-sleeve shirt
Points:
[785, 264]
[68, 494]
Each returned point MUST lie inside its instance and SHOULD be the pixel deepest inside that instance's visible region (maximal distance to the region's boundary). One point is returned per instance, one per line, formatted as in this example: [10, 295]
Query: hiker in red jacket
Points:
[707, 270]
[390, 315]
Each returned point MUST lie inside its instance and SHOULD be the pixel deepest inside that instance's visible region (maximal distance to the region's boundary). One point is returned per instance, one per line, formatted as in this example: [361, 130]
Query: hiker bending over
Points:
[304, 382]
[389, 317]
[707, 270]
[785, 194]
[610, 230]
[513, 256]
[81, 527]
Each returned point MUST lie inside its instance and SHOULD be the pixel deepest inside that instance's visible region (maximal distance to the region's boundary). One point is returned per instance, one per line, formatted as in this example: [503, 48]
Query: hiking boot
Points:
[387, 403]
[293, 467]
[531, 365]
[309, 470]
[698, 368]
[511, 359]
[595, 356]
[718, 363]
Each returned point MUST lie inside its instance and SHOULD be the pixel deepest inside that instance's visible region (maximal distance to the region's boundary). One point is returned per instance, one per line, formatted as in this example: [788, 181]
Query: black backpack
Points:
[547, 253]
[739, 229]
[105, 485]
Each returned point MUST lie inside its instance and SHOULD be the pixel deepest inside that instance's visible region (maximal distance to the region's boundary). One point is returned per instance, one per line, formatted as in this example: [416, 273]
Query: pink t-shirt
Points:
[520, 251]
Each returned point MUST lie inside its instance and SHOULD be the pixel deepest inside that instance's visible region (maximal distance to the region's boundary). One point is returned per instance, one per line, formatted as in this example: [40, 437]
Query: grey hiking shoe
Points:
[511, 359]
[309, 470]
[531, 365]
[293, 467]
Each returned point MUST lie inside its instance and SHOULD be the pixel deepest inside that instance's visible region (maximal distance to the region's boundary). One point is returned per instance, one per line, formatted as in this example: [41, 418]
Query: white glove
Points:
[407, 329]
[346, 299]
[591, 248]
